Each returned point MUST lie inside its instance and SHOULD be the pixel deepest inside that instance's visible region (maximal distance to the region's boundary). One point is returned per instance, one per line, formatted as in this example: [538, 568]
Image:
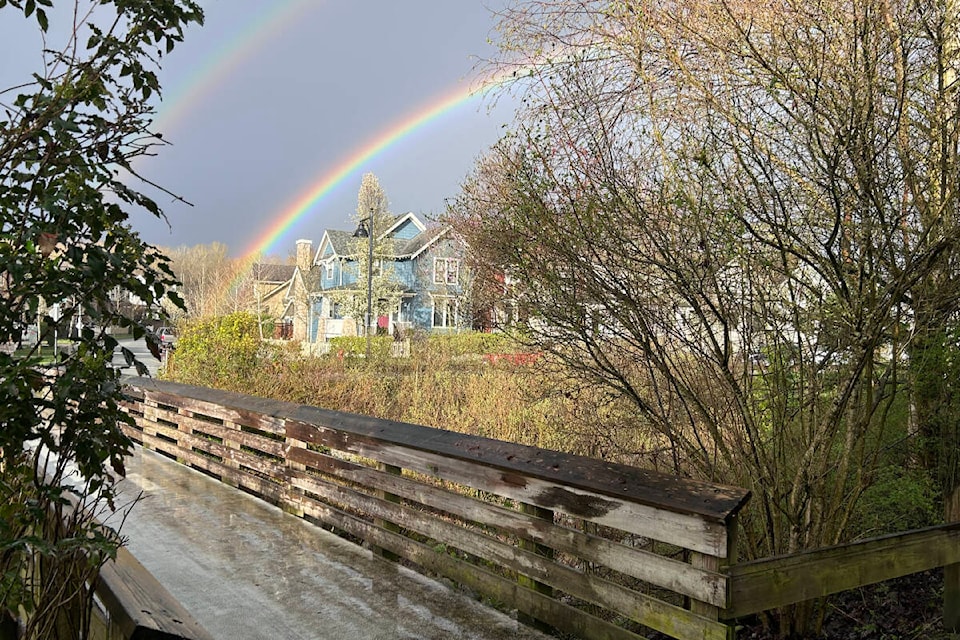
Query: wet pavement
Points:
[248, 571]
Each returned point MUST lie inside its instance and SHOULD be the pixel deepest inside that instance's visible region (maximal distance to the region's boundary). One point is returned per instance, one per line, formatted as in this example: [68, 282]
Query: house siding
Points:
[413, 271]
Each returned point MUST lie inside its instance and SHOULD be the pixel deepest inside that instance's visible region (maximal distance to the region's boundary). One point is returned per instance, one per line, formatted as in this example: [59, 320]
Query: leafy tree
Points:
[68, 136]
[741, 219]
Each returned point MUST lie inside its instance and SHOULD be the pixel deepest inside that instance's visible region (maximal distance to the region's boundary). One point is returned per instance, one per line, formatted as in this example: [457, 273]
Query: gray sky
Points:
[271, 97]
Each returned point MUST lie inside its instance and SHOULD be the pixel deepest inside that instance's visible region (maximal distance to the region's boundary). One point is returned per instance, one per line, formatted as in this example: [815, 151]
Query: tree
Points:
[372, 206]
[68, 136]
[741, 219]
[212, 283]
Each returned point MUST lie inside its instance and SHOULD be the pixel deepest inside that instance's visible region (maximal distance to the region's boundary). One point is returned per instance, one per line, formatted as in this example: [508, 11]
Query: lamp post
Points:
[366, 231]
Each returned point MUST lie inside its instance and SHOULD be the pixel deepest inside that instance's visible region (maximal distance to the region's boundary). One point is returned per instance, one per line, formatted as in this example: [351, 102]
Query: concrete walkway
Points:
[248, 571]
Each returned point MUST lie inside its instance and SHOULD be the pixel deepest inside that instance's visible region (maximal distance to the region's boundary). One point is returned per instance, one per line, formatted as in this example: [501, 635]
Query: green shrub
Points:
[223, 352]
[357, 346]
[898, 500]
[459, 344]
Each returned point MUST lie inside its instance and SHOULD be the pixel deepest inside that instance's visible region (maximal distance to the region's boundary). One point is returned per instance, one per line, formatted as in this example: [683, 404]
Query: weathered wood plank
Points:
[689, 531]
[140, 606]
[658, 570]
[704, 500]
[229, 433]
[232, 413]
[775, 582]
[559, 615]
[649, 611]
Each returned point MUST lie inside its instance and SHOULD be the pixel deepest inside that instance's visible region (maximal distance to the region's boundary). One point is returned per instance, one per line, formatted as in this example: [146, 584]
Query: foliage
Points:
[742, 219]
[68, 136]
[469, 343]
[898, 499]
[444, 383]
[219, 352]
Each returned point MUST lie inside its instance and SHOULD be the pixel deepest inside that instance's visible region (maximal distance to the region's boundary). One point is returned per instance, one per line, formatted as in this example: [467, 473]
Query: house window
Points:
[329, 271]
[446, 271]
[444, 312]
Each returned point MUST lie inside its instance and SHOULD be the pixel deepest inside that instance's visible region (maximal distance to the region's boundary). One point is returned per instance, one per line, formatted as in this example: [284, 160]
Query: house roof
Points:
[417, 245]
[342, 241]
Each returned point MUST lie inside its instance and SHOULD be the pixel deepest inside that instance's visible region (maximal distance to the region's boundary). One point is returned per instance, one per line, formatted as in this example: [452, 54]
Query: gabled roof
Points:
[422, 242]
[338, 240]
[342, 241]
[403, 217]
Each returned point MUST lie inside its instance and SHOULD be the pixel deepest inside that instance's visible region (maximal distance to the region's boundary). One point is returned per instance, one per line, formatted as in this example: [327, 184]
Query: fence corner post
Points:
[718, 564]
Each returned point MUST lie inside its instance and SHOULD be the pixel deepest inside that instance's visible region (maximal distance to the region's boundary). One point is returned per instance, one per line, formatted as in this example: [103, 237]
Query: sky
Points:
[276, 108]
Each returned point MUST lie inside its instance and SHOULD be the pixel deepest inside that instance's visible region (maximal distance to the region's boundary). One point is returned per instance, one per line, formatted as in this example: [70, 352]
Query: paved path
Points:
[246, 570]
[139, 348]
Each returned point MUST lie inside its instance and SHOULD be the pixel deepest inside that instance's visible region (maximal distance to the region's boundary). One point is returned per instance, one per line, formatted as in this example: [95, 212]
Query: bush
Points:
[224, 352]
[898, 500]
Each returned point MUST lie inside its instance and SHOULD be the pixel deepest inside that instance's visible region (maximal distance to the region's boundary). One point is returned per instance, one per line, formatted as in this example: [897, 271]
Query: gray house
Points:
[424, 267]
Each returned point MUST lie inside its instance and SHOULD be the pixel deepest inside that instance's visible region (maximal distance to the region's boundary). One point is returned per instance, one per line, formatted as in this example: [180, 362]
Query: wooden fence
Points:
[597, 550]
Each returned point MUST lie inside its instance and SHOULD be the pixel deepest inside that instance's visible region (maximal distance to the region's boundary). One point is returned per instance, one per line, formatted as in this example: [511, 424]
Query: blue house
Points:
[424, 268]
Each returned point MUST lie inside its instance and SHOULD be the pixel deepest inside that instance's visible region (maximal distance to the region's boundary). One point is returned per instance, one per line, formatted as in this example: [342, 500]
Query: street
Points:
[139, 349]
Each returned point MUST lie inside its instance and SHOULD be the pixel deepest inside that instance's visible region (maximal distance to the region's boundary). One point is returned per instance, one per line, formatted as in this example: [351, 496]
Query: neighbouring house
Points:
[424, 266]
[271, 286]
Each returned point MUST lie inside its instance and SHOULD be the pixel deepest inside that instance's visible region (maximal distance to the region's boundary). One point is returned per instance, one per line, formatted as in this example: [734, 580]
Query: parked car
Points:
[167, 337]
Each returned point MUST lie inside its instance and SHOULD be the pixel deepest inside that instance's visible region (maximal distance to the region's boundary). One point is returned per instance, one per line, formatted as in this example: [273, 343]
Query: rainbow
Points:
[397, 131]
[225, 59]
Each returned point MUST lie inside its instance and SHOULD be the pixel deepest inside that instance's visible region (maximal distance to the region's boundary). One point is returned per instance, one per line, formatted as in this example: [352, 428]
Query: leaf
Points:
[42, 20]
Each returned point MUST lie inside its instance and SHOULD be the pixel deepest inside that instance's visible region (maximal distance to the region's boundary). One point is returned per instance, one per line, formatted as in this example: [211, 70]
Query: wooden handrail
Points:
[526, 525]
[770, 583]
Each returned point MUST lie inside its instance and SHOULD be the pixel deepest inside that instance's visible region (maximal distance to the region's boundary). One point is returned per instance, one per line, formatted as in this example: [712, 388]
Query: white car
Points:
[167, 337]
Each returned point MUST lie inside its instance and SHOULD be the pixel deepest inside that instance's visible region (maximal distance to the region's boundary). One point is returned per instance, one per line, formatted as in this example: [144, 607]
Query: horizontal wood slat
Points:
[775, 582]
[677, 528]
[559, 615]
[656, 614]
[656, 569]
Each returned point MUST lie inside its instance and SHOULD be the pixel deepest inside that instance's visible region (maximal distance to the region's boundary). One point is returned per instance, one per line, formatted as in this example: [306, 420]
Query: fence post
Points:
[292, 502]
[539, 549]
[717, 564]
[231, 444]
[951, 572]
[380, 522]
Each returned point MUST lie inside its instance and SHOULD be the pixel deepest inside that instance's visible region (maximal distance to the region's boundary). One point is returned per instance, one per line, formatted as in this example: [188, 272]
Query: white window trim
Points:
[450, 310]
[442, 269]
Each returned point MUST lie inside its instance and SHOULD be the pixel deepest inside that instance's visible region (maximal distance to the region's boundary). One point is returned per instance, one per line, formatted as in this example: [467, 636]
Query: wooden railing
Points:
[771, 583]
[590, 548]
[593, 549]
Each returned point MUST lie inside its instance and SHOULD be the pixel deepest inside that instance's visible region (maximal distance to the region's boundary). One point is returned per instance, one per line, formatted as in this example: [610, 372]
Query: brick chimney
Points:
[304, 255]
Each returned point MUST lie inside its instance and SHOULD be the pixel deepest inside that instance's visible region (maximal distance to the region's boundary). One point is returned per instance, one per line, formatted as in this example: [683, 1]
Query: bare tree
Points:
[213, 283]
[743, 220]
[372, 216]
